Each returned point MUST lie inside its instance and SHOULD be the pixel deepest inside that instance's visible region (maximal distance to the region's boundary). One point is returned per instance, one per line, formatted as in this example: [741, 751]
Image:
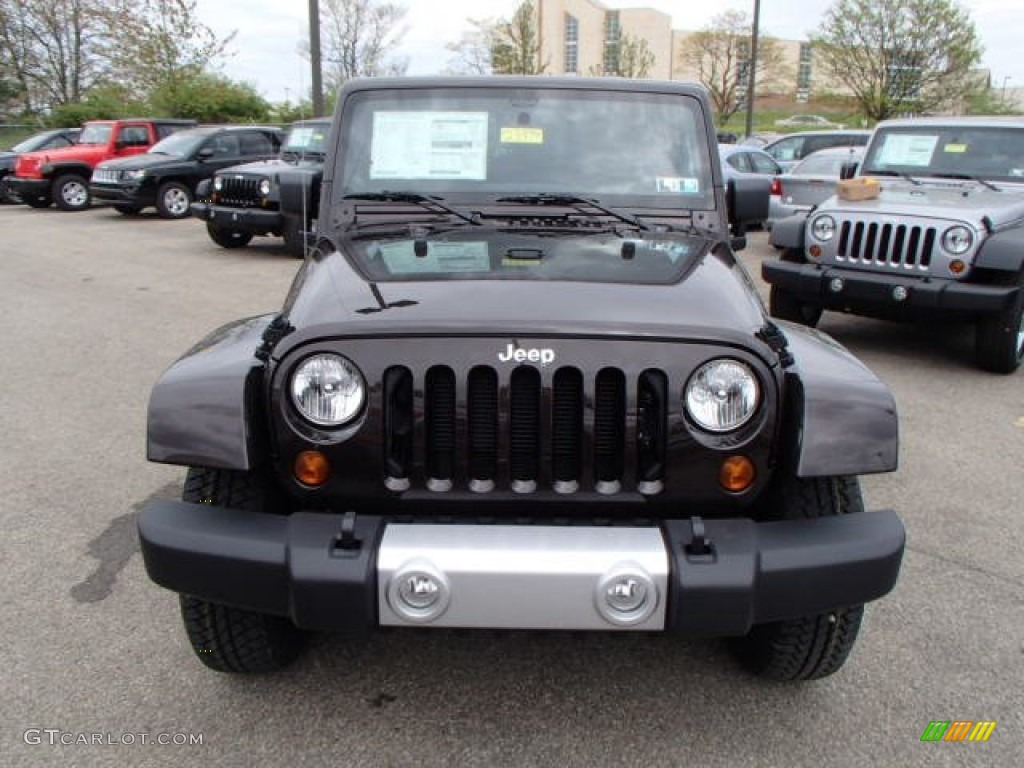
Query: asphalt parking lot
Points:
[96, 306]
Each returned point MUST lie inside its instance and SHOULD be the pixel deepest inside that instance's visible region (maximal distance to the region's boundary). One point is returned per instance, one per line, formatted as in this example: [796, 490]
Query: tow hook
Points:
[345, 542]
[700, 549]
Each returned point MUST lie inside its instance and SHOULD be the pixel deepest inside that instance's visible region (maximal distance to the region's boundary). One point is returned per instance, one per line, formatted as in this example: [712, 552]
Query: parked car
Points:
[523, 382]
[759, 140]
[791, 149]
[279, 197]
[53, 139]
[812, 181]
[933, 226]
[62, 175]
[166, 176]
[742, 161]
[808, 122]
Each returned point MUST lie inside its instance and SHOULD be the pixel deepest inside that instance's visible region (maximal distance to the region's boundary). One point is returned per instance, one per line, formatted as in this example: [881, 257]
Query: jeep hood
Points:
[269, 167]
[714, 301]
[144, 161]
[948, 200]
[88, 153]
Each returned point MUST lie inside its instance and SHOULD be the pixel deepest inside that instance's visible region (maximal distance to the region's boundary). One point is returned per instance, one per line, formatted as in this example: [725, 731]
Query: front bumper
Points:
[340, 573]
[871, 293]
[133, 194]
[255, 221]
[23, 187]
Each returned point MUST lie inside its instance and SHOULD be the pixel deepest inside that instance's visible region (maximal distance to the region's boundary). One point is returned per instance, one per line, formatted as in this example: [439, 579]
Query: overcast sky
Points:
[266, 49]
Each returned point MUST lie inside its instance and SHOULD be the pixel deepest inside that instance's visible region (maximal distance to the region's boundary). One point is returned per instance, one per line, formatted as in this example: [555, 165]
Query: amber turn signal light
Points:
[737, 474]
[312, 468]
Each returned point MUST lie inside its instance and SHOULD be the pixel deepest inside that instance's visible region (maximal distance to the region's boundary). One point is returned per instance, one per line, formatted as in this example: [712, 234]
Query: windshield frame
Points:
[306, 149]
[105, 131]
[951, 144]
[193, 141]
[536, 108]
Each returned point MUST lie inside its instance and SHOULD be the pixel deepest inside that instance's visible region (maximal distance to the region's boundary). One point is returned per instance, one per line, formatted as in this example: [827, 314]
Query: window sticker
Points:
[907, 149]
[441, 257]
[954, 149]
[429, 145]
[519, 134]
[679, 184]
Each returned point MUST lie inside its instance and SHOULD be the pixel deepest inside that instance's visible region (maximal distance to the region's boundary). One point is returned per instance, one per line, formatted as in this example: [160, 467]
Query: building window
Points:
[803, 74]
[612, 35]
[572, 44]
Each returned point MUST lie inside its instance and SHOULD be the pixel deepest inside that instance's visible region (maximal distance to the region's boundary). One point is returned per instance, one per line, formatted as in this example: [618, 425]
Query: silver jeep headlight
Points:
[265, 187]
[328, 390]
[957, 240]
[722, 395]
[823, 228]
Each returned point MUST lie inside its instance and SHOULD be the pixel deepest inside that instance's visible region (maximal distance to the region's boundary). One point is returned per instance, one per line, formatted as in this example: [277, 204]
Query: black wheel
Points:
[999, 343]
[294, 240]
[71, 192]
[38, 201]
[173, 200]
[785, 306]
[228, 238]
[809, 647]
[127, 210]
[230, 639]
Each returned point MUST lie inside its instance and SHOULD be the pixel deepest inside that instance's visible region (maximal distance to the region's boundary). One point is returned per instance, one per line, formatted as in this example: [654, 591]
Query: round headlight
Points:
[218, 183]
[957, 240]
[722, 395]
[265, 187]
[823, 228]
[328, 390]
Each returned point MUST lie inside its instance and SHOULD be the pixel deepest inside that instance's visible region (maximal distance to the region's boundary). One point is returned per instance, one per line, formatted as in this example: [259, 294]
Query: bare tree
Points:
[630, 57]
[472, 52]
[359, 38]
[515, 45]
[900, 56]
[720, 55]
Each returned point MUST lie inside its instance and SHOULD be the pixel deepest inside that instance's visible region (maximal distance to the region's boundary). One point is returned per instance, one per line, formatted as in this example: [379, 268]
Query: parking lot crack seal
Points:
[114, 547]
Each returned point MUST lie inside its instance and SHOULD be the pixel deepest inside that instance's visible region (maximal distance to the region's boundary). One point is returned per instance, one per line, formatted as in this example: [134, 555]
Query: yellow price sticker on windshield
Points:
[956, 149]
[522, 135]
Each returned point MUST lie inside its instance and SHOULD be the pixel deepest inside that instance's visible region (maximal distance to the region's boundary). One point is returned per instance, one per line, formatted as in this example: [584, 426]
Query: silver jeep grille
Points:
[240, 192]
[907, 246]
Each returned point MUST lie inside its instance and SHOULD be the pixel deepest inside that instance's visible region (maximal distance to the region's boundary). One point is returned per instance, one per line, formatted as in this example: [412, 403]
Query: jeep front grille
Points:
[522, 436]
[893, 245]
[242, 193]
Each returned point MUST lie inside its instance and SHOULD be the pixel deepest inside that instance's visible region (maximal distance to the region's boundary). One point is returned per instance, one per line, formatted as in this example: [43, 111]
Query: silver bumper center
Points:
[525, 577]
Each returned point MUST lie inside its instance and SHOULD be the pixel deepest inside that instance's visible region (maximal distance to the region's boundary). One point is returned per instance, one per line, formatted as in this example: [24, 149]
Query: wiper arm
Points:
[576, 201]
[901, 174]
[423, 201]
[969, 177]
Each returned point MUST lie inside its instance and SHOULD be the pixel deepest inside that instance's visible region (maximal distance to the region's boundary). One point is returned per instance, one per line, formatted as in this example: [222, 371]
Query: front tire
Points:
[785, 306]
[809, 647]
[999, 343]
[173, 200]
[71, 192]
[228, 238]
[224, 638]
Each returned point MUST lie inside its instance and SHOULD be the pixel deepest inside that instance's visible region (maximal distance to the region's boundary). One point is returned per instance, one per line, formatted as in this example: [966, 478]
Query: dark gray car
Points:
[812, 181]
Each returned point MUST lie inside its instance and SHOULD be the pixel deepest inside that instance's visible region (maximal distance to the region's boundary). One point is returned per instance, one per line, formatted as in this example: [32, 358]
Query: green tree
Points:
[720, 53]
[211, 98]
[515, 44]
[899, 56]
[102, 102]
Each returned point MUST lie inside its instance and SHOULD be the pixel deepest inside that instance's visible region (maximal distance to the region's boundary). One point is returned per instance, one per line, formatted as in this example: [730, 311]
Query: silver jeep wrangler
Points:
[945, 235]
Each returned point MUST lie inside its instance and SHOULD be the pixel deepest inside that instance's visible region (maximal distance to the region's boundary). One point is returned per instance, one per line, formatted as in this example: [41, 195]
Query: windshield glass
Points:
[515, 256]
[31, 144]
[95, 133]
[465, 144]
[306, 138]
[995, 153]
[181, 144]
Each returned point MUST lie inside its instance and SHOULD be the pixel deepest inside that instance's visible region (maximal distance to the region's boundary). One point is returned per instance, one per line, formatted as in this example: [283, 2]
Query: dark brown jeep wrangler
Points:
[522, 381]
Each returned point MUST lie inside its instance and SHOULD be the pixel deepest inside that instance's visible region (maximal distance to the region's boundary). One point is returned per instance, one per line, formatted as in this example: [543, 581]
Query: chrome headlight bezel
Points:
[957, 240]
[136, 174]
[823, 228]
[327, 390]
[722, 395]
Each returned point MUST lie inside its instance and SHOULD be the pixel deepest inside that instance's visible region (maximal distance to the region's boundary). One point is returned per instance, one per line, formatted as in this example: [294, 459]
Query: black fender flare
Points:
[1002, 252]
[789, 232]
[842, 418]
[207, 409]
[53, 170]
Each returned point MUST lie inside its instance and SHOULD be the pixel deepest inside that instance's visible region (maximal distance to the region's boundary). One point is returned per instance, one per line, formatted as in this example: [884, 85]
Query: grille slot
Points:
[894, 245]
[521, 435]
[244, 193]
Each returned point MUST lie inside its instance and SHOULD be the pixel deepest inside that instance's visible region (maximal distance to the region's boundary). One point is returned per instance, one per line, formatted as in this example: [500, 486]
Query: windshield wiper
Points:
[901, 174]
[416, 198]
[969, 177]
[544, 198]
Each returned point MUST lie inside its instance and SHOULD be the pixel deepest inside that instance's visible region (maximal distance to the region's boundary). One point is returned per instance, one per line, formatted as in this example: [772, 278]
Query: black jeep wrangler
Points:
[279, 197]
[522, 381]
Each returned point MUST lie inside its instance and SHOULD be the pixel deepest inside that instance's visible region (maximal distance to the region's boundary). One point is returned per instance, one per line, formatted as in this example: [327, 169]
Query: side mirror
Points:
[848, 170]
[205, 153]
[748, 201]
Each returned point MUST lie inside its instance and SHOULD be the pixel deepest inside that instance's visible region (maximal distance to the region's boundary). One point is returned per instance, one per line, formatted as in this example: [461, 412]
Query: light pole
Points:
[752, 67]
[314, 57]
[1007, 77]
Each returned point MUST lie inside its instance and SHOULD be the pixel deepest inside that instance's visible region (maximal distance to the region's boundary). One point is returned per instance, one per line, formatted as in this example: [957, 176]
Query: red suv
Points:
[61, 176]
